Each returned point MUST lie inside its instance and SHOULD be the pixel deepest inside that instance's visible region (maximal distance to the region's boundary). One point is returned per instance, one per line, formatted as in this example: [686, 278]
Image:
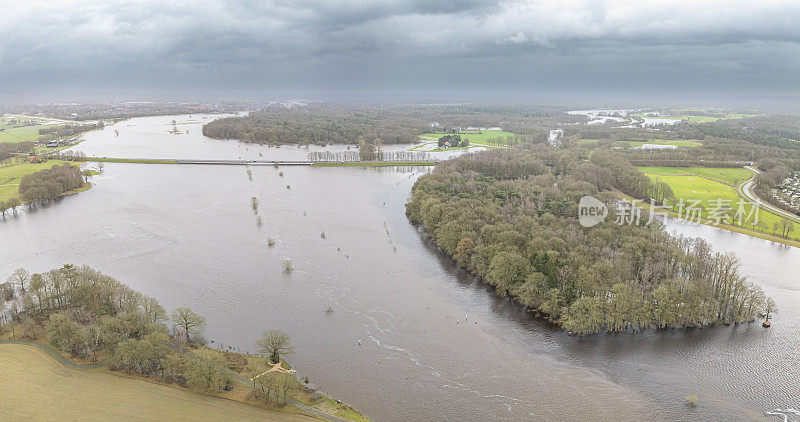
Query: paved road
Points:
[745, 190]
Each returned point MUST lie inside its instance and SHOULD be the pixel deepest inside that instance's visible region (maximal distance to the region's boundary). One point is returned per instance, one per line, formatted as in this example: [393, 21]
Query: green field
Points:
[687, 114]
[474, 138]
[34, 387]
[731, 176]
[709, 192]
[22, 134]
[11, 175]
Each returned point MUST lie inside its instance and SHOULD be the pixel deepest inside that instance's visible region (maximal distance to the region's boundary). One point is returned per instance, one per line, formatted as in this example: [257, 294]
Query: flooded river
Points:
[408, 336]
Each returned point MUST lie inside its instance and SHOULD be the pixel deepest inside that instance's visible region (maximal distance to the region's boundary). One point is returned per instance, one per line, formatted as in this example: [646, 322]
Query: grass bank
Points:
[86, 186]
[374, 163]
[12, 174]
[737, 229]
[129, 160]
[36, 387]
[708, 184]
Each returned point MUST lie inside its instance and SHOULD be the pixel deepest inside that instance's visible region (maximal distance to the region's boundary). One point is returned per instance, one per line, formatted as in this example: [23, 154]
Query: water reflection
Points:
[188, 236]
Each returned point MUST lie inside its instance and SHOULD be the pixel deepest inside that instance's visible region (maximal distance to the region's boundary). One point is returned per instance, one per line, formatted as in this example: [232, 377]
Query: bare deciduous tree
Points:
[275, 343]
[188, 321]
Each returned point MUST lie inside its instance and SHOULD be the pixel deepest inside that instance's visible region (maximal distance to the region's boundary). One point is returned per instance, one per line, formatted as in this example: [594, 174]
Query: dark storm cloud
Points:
[416, 44]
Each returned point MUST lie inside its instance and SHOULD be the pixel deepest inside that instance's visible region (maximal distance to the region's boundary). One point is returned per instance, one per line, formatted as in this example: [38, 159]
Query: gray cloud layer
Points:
[736, 46]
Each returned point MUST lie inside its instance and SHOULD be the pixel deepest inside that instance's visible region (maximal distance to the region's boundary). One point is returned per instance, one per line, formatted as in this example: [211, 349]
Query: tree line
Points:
[319, 125]
[512, 220]
[92, 316]
[323, 124]
[50, 183]
[771, 130]
[64, 131]
[453, 141]
[9, 149]
[354, 155]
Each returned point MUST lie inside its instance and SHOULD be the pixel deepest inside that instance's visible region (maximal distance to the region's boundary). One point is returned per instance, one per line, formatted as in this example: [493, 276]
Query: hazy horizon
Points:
[415, 50]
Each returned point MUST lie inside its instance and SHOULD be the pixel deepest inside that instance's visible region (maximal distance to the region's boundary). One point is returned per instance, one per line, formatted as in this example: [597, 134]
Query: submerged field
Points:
[36, 387]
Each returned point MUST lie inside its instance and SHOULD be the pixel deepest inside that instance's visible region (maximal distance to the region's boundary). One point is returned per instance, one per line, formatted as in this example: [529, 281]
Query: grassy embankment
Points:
[12, 171]
[710, 184]
[318, 164]
[129, 160]
[374, 163]
[239, 401]
[36, 387]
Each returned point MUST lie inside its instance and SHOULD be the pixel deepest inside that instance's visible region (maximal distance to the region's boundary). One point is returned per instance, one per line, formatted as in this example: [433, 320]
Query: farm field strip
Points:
[36, 387]
[10, 176]
[710, 186]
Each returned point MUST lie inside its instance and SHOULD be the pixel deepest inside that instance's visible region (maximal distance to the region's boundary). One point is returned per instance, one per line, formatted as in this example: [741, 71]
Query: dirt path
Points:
[276, 367]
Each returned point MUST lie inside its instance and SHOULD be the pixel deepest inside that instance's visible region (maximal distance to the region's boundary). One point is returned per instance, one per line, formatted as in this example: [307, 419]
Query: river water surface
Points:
[410, 336]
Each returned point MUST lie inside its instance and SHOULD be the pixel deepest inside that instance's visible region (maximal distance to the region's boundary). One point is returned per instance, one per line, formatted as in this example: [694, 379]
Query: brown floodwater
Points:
[409, 336]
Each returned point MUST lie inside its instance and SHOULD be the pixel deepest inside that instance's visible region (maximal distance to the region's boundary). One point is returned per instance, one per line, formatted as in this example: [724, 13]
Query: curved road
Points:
[745, 190]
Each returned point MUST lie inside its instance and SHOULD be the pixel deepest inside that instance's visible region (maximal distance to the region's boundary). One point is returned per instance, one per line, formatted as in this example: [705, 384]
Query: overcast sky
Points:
[405, 46]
